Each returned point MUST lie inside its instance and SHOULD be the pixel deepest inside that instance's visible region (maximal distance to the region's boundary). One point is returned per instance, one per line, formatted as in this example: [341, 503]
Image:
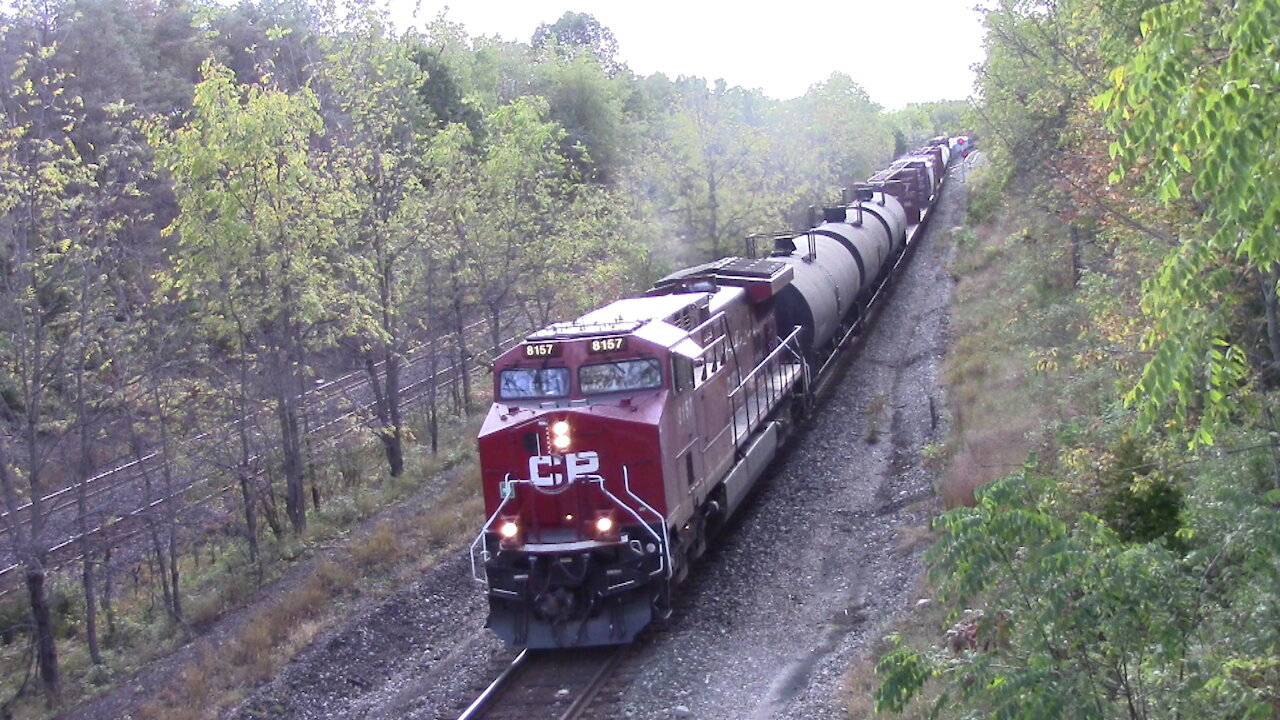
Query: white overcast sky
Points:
[900, 51]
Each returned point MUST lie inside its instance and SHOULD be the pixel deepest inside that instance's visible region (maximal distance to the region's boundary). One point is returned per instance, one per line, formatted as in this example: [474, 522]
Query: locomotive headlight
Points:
[560, 435]
[508, 530]
[604, 524]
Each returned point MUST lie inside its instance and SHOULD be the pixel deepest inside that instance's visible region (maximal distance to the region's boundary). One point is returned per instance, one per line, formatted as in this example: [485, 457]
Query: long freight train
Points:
[620, 441]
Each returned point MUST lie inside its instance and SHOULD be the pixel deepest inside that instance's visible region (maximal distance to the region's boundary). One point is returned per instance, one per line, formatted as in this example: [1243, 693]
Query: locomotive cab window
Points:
[533, 383]
[620, 376]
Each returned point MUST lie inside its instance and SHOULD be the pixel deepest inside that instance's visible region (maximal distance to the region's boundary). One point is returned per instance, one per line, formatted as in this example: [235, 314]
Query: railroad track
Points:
[547, 685]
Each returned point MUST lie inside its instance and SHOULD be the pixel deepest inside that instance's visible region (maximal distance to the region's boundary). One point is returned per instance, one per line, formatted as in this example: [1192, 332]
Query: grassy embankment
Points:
[356, 549]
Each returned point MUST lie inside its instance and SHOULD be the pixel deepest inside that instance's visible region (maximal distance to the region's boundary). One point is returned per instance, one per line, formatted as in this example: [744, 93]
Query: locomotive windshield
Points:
[526, 383]
[620, 376]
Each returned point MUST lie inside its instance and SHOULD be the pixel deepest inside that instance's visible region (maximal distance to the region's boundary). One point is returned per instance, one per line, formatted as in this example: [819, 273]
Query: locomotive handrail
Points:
[480, 537]
[666, 547]
[762, 405]
[804, 366]
[666, 538]
[784, 345]
[703, 325]
[665, 558]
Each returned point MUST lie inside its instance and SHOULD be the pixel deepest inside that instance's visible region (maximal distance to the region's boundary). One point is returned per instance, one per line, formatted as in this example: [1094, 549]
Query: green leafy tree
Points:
[1194, 108]
[38, 169]
[266, 40]
[840, 139]
[379, 141]
[509, 197]
[440, 89]
[918, 122]
[577, 34]
[518, 220]
[257, 253]
[1075, 622]
[713, 168]
[587, 103]
[60, 214]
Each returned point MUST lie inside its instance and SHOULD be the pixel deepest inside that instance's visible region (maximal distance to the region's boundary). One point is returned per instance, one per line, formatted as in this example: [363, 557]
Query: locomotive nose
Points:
[555, 605]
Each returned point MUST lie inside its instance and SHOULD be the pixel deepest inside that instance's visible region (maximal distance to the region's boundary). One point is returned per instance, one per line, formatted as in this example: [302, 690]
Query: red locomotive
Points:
[618, 442]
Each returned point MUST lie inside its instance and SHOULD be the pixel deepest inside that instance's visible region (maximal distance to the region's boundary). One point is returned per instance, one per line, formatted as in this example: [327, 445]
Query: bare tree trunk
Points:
[244, 471]
[1269, 302]
[108, 592]
[392, 432]
[85, 472]
[270, 509]
[90, 582]
[1076, 241]
[495, 329]
[395, 450]
[295, 501]
[88, 576]
[250, 511]
[460, 371]
[27, 545]
[386, 407]
[152, 529]
[42, 620]
[308, 446]
[291, 443]
[32, 555]
[433, 416]
[170, 515]
[175, 573]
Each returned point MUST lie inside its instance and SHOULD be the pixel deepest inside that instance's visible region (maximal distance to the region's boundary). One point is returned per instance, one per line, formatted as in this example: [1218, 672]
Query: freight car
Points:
[620, 441]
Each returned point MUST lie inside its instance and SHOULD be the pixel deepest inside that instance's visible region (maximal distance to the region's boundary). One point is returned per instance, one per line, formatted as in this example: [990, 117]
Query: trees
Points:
[257, 253]
[378, 141]
[1089, 609]
[39, 167]
[712, 168]
[59, 312]
[918, 122]
[576, 34]
[841, 137]
[1194, 109]
[503, 204]
[587, 103]
[1078, 623]
[516, 221]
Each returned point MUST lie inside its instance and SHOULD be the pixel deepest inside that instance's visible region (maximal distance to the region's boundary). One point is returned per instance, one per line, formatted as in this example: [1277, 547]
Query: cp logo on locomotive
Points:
[557, 473]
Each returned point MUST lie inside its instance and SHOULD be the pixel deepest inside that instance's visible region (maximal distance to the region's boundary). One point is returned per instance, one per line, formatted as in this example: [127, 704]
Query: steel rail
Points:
[583, 701]
[478, 706]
